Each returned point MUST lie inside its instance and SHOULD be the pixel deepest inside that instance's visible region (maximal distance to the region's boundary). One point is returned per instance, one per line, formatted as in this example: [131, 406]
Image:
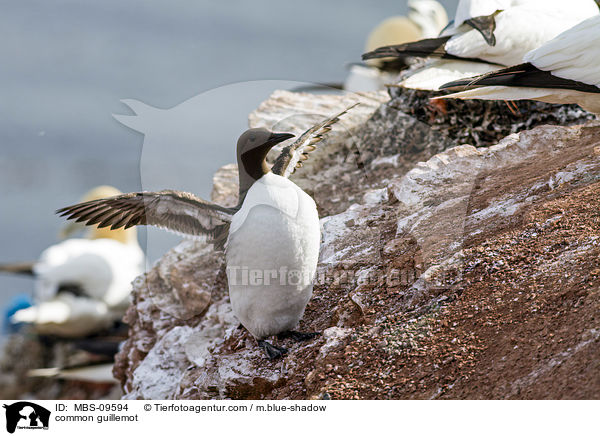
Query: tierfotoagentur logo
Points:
[26, 416]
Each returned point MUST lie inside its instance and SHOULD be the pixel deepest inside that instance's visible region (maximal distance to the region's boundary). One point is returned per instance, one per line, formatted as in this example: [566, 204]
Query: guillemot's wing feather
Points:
[523, 75]
[291, 156]
[24, 268]
[179, 212]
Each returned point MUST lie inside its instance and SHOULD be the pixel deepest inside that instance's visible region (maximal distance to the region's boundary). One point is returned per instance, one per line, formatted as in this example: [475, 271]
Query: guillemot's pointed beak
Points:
[276, 138]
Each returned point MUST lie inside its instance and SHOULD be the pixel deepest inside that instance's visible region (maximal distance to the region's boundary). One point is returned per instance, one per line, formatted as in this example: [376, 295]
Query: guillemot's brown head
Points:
[252, 149]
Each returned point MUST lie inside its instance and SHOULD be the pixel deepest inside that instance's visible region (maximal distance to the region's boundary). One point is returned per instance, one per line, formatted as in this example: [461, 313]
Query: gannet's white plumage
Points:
[520, 27]
[429, 15]
[436, 73]
[273, 232]
[366, 78]
[277, 227]
[425, 19]
[486, 36]
[104, 269]
[573, 56]
[83, 284]
[467, 9]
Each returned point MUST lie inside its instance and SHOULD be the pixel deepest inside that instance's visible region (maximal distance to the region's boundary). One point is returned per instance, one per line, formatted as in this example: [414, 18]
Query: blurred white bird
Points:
[487, 35]
[564, 70]
[89, 373]
[82, 284]
[425, 19]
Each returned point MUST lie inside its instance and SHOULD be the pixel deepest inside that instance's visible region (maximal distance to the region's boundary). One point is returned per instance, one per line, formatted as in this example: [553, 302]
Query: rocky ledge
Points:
[446, 271]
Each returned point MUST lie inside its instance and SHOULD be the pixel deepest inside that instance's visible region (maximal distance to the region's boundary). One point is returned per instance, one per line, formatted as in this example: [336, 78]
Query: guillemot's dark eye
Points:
[252, 138]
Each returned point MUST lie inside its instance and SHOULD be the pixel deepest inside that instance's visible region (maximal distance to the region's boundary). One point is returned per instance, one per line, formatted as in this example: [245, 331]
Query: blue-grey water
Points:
[65, 65]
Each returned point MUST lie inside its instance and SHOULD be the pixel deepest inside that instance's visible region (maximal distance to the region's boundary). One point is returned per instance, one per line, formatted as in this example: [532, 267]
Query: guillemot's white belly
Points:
[272, 254]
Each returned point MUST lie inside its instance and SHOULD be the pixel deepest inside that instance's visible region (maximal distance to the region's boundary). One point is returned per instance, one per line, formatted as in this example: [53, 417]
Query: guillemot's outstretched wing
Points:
[291, 156]
[179, 212]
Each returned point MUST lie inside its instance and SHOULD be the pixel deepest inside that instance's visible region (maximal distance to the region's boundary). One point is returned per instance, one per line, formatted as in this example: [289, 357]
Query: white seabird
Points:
[82, 284]
[487, 35]
[272, 236]
[564, 70]
[425, 19]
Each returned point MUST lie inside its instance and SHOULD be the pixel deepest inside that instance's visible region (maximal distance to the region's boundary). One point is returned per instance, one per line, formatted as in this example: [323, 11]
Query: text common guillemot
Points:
[272, 234]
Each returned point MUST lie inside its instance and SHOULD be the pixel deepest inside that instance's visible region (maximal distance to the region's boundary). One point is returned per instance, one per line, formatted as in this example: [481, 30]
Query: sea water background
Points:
[65, 65]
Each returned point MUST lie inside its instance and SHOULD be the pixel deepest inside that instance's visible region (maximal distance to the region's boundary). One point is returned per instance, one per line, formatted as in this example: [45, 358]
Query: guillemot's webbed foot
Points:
[298, 336]
[272, 351]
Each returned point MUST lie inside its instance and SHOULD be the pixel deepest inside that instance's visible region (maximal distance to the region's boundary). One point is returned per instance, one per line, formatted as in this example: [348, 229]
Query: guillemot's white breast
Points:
[272, 255]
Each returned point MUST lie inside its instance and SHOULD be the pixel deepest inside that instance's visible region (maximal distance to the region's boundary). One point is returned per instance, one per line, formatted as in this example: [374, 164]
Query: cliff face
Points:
[446, 271]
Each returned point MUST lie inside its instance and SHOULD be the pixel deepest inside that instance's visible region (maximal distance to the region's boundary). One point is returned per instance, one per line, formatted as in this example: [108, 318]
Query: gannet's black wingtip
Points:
[523, 75]
[455, 84]
[423, 48]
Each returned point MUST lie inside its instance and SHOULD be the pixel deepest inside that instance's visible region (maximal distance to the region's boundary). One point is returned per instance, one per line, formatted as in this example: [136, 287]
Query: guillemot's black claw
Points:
[272, 351]
[298, 336]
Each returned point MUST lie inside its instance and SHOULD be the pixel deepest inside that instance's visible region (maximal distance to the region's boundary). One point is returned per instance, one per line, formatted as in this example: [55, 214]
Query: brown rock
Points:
[432, 252]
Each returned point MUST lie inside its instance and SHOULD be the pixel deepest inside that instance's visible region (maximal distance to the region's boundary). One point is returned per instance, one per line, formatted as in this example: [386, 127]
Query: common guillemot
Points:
[564, 70]
[486, 35]
[82, 284]
[273, 233]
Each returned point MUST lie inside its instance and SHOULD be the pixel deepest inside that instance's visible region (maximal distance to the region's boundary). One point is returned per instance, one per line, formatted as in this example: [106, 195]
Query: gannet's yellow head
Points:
[391, 31]
[121, 235]
[425, 19]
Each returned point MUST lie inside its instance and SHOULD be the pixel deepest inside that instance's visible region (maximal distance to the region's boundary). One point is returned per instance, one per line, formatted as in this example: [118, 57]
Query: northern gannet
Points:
[271, 238]
[487, 35]
[564, 70]
[82, 284]
[425, 19]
